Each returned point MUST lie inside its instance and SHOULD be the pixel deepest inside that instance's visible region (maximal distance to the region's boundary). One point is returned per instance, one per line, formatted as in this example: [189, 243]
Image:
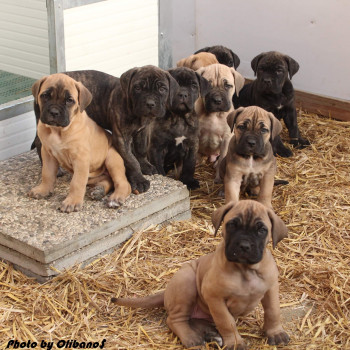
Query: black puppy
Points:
[273, 91]
[174, 139]
[125, 106]
[223, 54]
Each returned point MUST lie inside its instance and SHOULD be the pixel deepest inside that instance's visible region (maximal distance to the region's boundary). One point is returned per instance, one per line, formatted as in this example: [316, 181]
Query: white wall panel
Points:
[24, 47]
[16, 135]
[112, 36]
[314, 32]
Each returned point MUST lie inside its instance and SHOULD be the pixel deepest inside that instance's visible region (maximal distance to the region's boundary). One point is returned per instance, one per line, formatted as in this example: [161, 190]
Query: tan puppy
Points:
[209, 293]
[213, 109]
[198, 60]
[250, 163]
[74, 141]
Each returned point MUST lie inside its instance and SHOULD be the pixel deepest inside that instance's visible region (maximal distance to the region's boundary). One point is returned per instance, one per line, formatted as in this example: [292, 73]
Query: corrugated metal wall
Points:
[24, 46]
[112, 36]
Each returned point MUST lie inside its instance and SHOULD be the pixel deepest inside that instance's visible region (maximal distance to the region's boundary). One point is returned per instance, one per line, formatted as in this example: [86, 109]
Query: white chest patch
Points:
[179, 140]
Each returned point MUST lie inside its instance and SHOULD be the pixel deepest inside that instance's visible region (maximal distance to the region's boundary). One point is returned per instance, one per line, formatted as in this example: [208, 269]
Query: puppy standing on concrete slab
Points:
[250, 163]
[273, 91]
[213, 108]
[71, 139]
[174, 138]
[198, 60]
[205, 297]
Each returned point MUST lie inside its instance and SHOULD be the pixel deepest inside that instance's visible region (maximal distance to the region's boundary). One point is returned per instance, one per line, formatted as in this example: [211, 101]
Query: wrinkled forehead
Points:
[150, 76]
[184, 77]
[218, 73]
[61, 85]
[273, 62]
[248, 214]
[252, 116]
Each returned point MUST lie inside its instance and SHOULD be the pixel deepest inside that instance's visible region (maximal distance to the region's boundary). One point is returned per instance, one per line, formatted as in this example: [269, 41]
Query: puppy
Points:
[250, 163]
[223, 54]
[174, 138]
[72, 140]
[213, 108]
[198, 60]
[273, 91]
[125, 106]
[205, 297]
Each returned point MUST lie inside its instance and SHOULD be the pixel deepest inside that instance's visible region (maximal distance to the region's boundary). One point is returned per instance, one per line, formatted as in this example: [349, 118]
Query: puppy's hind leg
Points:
[179, 301]
[102, 185]
[116, 170]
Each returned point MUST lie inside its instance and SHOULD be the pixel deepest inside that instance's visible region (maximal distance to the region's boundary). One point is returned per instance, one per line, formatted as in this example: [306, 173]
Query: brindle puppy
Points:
[174, 138]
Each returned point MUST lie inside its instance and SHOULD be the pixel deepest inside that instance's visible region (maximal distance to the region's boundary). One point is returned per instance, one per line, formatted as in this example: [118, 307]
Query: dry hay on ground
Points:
[314, 264]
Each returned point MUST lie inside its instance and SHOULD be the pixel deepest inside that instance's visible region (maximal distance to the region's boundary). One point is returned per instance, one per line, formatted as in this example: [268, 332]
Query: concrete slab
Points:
[34, 235]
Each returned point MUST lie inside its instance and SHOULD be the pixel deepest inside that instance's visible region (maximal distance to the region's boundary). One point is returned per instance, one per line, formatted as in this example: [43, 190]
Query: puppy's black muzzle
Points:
[149, 106]
[244, 250]
[251, 144]
[55, 115]
[217, 101]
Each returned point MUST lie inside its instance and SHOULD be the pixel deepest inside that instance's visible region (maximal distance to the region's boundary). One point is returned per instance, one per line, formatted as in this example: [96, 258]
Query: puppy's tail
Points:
[155, 300]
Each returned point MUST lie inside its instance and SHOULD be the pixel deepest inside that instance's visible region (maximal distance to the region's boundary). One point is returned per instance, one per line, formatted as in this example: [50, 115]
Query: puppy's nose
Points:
[251, 141]
[245, 246]
[268, 81]
[54, 112]
[218, 100]
[183, 95]
[150, 104]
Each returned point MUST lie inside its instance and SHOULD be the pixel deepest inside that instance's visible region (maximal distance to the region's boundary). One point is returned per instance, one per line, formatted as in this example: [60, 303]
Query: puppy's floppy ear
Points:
[218, 215]
[125, 79]
[204, 85]
[278, 230]
[236, 60]
[232, 117]
[36, 88]
[205, 49]
[255, 62]
[293, 65]
[239, 80]
[173, 88]
[84, 96]
[276, 126]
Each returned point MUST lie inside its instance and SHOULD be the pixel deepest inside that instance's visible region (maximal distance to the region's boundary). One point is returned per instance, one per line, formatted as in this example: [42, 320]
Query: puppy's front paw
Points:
[70, 204]
[139, 184]
[191, 184]
[278, 338]
[300, 143]
[118, 197]
[39, 192]
[240, 346]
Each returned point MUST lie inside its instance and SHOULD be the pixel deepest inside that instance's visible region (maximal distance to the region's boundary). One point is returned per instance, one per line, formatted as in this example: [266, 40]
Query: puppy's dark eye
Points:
[228, 86]
[45, 95]
[233, 223]
[162, 89]
[137, 88]
[241, 127]
[264, 130]
[194, 86]
[69, 100]
[261, 229]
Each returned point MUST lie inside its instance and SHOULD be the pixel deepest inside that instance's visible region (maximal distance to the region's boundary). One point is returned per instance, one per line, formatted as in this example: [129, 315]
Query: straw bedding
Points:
[314, 264]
